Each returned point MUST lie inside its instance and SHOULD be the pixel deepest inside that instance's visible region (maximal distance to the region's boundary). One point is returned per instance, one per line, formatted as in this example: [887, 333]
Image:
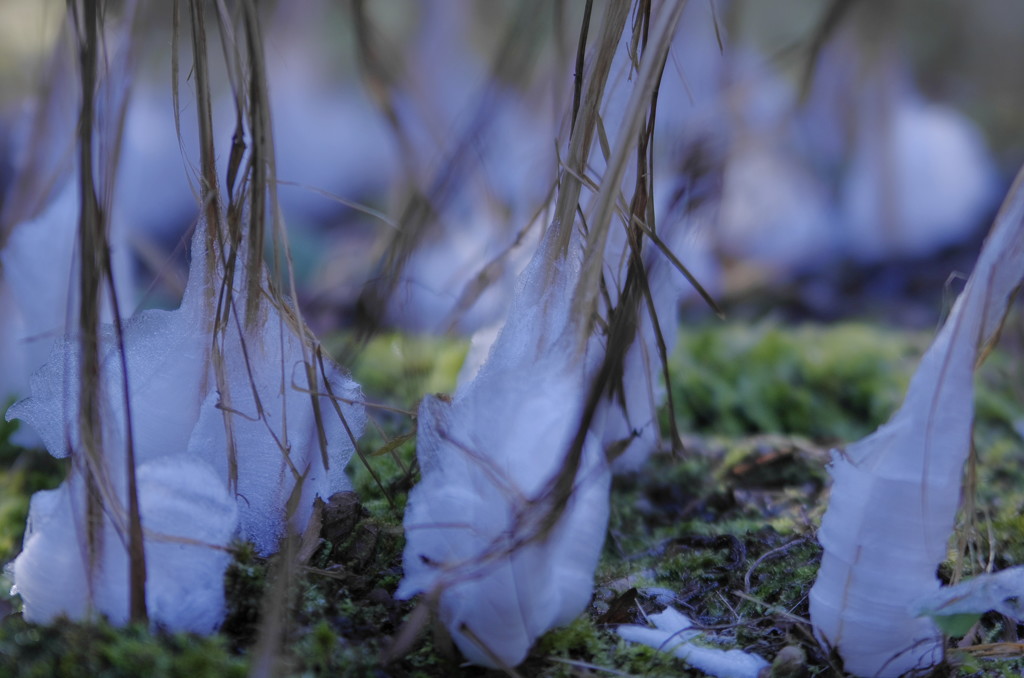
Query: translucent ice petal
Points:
[896, 492]
[487, 457]
[274, 449]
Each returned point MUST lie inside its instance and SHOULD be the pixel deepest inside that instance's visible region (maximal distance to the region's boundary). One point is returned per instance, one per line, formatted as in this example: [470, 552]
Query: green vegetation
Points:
[98, 650]
[832, 384]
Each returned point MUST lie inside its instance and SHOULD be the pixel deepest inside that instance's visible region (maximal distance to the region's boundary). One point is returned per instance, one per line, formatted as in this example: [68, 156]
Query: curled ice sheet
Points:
[674, 633]
[38, 292]
[167, 361]
[39, 268]
[178, 417]
[188, 518]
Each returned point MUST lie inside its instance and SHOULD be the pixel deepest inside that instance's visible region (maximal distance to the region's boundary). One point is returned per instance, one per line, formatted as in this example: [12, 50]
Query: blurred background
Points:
[851, 154]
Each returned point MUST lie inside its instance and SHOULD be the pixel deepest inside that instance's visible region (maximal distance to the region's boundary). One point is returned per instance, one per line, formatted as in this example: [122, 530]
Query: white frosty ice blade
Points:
[896, 492]
[167, 358]
[487, 458]
[674, 633]
[39, 291]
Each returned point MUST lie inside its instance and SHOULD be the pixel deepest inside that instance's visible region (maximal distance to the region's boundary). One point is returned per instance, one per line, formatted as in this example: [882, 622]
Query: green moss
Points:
[965, 665]
[396, 370]
[244, 585]
[1008, 533]
[580, 638]
[401, 368]
[584, 646]
[772, 462]
[22, 473]
[383, 478]
[98, 650]
[832, 384]
[999, 400]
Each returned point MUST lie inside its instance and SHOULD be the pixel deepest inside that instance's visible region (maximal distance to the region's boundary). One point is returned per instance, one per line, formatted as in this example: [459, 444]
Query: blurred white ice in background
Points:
[920, 179]
[861, 168]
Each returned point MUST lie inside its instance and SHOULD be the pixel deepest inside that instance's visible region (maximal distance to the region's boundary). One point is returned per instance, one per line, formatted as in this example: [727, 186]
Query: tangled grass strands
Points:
[588, 289]
[636, 290]
[581, 140]
[87, 19]
[585, 299]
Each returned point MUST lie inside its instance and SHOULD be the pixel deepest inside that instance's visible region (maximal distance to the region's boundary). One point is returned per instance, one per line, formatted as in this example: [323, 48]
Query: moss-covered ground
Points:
[724, 531]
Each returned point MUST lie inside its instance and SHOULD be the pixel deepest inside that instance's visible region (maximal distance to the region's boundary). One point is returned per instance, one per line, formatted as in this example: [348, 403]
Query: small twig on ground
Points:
[766, 556]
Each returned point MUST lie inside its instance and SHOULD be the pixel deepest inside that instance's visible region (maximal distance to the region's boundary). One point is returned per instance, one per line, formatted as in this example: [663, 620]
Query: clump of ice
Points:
[487, 458]
[188, 517]
[193, 501]
[675, 633]
[274, 429]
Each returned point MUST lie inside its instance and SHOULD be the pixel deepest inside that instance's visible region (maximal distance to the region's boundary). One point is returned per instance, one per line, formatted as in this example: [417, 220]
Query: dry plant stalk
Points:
[95, 272]
[236, 235]
[587, 292]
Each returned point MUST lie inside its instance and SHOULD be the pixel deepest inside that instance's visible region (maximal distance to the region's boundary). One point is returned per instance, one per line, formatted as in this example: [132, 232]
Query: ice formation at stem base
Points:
[488, 456]
[896, 493]
[188, 517]
[193, 501]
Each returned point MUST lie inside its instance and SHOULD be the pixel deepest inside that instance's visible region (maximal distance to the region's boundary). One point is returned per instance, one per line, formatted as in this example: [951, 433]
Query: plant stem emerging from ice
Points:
[95, 269]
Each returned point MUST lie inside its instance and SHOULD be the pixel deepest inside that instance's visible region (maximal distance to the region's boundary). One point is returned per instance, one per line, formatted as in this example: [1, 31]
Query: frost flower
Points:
[896, 492]
[475, 525]
[211, 462]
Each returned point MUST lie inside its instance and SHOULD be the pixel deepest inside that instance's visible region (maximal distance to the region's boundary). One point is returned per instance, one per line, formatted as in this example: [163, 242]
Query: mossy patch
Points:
[827, 383]
[586, 647]
[395, 372]
[98, 650]
[401, 368]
